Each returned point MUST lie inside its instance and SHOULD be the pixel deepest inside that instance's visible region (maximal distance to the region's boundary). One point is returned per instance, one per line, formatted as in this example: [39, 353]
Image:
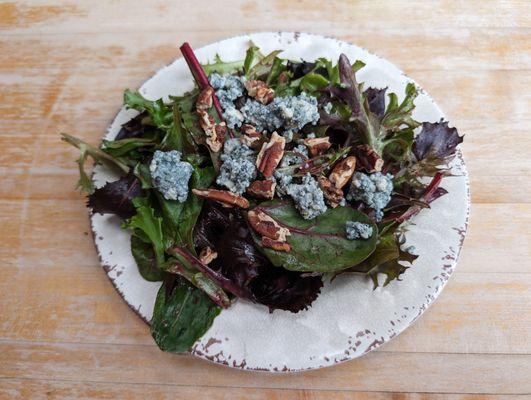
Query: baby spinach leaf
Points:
[182, 315]
[146, 260]
[320, 244]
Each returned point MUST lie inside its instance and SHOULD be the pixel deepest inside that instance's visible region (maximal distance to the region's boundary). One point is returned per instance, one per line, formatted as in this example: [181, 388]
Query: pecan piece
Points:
[330, 192]
[260, 91]
[343, 171]
[204, 100]
[262, 189]
[275, 244]
[318, 145]
[207, 255]
[270, 155]
[214, 132]
[368, 159]
[222, 196]
[251, 137]
[267, 226]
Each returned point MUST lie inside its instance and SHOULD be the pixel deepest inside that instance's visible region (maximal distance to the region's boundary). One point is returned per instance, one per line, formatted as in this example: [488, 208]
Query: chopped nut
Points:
[260, 91]
[251, 137]
[267, 226]
[342, 172]
[207, 255]
[204, 100]
[270, 155]
[262, 189]
[368, 159]
[317, 145]
[223, 197]
[275, 244]
[330, 192]
[215, 133]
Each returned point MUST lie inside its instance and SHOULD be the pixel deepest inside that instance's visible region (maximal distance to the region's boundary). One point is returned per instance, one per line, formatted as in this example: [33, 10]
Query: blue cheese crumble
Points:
[327, 108]
[291, 158]
[308, 197]
[374, 190]
[358, 230]
[291, 113]
[238, 167]
[228, 88]
[283, 181]
[170, 175]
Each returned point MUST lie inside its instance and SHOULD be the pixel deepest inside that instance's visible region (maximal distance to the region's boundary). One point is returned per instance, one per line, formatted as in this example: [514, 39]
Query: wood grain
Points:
[65, 332]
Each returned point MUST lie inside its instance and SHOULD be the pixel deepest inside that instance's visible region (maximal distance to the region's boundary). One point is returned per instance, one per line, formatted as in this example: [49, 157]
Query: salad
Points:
[268, 178]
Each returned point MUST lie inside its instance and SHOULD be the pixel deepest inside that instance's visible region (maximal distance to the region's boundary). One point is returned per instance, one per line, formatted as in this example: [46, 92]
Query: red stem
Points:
[200, 77]
[430, 189]
[214, 275]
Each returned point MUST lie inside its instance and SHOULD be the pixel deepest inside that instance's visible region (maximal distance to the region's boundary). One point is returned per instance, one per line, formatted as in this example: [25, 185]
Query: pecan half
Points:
[262, 189]
[207, 255]
[251, 137]
[214, 132]
[275, 244]
[330, 192]
[267, 226]
[317, 145]
[204, 100]
[368, 159]
[270, 155]
[343, 171]
[223, 197]
[260, 91]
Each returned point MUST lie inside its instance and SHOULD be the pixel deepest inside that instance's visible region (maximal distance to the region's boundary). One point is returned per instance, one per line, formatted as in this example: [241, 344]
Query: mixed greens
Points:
[269, 177]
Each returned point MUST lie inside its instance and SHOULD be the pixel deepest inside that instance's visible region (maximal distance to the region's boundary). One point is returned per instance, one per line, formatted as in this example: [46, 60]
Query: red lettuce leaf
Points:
[240, 262]
[376, 99]
[436, 140]
[116, 197]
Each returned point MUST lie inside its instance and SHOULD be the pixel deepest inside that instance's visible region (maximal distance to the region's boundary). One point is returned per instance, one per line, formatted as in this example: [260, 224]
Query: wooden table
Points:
[65, 332]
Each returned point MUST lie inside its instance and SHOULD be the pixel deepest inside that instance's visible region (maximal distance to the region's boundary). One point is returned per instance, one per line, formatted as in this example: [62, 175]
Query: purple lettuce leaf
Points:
[436, 140]
[249, 273]
[116, 197]
[376, 99]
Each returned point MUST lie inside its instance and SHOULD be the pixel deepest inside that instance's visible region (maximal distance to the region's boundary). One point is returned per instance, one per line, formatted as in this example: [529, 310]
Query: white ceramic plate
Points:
[349, 318]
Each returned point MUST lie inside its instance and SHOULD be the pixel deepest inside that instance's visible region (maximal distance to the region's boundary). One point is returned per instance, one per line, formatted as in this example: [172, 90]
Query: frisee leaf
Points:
[320, 244]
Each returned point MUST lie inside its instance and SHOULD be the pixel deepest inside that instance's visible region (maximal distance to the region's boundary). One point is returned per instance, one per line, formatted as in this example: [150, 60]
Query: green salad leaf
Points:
[182, 314]
[388, 259]
[85, 183]
[320, 244]
[146, 260]
[148, 227]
